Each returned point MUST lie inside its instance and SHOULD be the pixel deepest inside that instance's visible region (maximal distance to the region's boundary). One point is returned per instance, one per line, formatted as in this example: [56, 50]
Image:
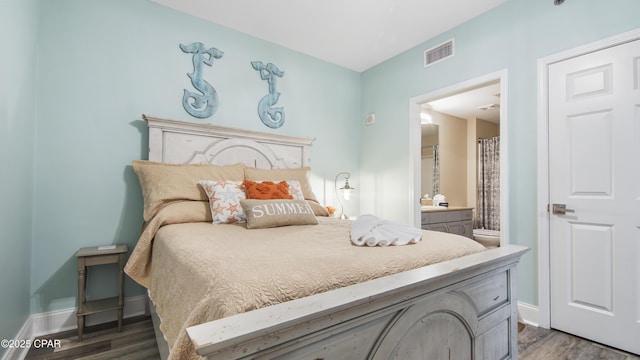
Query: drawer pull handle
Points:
[496, 298]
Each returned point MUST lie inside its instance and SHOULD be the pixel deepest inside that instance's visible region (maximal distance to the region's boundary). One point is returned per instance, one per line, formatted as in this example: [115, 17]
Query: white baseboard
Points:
[23, 334]
[530, 314]
[62, 320]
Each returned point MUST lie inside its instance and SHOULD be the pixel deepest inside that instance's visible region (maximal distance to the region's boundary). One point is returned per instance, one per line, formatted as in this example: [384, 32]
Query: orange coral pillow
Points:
[267, 190]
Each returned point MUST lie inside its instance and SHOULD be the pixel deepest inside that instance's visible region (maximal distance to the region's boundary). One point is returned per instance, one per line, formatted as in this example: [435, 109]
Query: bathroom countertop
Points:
[431, 208]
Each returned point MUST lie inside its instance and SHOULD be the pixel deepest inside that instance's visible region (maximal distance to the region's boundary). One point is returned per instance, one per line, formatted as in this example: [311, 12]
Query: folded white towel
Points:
[361, 229]
[372, 231]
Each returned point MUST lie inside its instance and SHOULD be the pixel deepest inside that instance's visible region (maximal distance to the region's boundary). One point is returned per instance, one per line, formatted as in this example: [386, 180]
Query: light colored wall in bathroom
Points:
[453, 157]
[486, 129]
[472, 163]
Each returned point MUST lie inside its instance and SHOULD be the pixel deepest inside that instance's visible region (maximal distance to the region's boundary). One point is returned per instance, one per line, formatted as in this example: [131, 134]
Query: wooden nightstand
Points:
[90, 256]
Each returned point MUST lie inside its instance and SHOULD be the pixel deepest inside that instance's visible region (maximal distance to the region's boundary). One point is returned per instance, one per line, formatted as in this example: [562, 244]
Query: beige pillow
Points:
[280, 212]
[318, 209]
[300, 174]
[162, 183]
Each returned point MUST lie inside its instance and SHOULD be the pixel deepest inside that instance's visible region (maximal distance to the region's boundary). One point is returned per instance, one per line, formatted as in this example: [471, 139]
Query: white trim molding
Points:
[530, 314]
[414, 142]
[62, 320]
[544, 261]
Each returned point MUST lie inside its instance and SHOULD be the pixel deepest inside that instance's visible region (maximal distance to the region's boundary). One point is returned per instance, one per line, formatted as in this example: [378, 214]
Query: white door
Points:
[594, 169]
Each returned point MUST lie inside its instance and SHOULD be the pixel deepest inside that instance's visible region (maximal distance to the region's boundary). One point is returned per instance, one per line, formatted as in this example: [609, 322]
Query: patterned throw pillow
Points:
[224, 200]
[267, 190]
[281, 212]
[295, 189]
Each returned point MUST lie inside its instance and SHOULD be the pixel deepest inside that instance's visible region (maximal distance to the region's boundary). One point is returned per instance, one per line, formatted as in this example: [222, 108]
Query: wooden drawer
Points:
[450, 221]
[442, 227]
[488, 294]
[438, 217]
[445, 216]
[495, 343]
[424, 218]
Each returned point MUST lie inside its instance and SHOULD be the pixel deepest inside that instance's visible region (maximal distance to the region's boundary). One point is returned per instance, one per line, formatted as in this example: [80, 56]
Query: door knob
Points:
[560, 209]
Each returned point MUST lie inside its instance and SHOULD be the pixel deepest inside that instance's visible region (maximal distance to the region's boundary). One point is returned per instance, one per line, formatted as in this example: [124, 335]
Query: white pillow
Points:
[224, 200]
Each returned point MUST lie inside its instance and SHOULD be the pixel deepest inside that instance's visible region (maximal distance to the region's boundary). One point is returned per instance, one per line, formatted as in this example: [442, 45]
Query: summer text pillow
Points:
[282, 212]
[162, 183]
[299, 185]
[296, 191]
[267, 190]
[224, 200]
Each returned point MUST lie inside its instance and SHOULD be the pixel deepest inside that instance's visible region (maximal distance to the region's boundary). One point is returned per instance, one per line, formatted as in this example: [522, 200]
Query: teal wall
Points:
[18, 32]
[71, 125]
[104, 63]
[512, 36]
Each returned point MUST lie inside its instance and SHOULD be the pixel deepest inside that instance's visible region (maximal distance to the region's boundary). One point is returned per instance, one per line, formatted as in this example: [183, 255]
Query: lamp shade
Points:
[346, 190]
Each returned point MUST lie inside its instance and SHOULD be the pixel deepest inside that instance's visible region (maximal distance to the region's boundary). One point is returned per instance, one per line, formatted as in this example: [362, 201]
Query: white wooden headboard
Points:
[183, 142]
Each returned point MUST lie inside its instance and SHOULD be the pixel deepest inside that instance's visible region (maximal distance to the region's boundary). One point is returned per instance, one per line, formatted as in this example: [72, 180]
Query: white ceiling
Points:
[469, 104]
[356, 34]
[466, 105]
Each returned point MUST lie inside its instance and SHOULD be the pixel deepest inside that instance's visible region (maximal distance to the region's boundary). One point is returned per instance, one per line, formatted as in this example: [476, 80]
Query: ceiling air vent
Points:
[438, 53]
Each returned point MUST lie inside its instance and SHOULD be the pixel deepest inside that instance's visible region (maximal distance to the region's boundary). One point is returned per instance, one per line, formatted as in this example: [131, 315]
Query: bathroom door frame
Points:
[415, 140]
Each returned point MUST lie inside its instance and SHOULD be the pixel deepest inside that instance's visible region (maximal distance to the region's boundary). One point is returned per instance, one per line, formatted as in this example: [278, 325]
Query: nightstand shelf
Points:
[91, 256]
[96, 306]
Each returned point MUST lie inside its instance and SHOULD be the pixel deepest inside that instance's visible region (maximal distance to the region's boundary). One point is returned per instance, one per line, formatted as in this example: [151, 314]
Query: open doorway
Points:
[453, 119]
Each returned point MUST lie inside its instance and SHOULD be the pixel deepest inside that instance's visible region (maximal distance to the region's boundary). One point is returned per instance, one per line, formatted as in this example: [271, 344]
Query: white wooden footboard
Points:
[459, 309]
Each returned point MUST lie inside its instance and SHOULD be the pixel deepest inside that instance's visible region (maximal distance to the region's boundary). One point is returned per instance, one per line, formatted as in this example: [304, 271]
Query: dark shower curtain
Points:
[488, 210]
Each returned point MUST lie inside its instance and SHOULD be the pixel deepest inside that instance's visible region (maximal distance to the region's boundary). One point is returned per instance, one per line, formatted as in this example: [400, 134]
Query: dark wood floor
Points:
[137, 341]
[537, 343]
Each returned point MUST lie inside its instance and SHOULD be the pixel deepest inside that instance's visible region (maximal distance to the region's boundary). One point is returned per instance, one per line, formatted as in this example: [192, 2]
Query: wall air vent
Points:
[439, 53]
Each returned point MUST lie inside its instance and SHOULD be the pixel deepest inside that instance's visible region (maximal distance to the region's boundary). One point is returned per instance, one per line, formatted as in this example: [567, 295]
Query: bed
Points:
[223, 291]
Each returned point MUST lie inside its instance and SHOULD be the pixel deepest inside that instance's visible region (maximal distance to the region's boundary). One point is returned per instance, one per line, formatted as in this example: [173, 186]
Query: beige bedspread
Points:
[198, 272]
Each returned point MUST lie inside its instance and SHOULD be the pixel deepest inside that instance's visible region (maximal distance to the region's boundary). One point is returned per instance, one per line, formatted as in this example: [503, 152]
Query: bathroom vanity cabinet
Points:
[452, 220]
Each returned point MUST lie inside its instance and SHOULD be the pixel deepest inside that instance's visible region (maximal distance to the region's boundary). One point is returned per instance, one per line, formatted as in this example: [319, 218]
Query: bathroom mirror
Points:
[430, 174]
